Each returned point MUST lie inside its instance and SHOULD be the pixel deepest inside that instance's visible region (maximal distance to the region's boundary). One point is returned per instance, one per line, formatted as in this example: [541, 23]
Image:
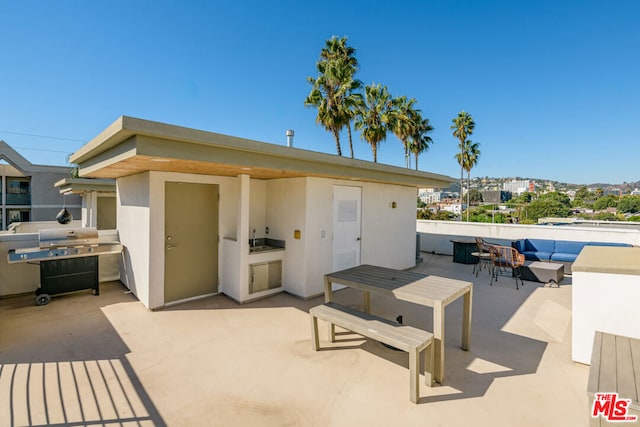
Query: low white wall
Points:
[35, 226]
[230, 284]
[109, 265]
[17, 278]
[602, 302]
[435, 236]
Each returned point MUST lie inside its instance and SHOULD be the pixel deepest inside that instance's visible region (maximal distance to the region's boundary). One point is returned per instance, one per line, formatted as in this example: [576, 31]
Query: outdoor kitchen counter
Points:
[604, 293]
[608, 259]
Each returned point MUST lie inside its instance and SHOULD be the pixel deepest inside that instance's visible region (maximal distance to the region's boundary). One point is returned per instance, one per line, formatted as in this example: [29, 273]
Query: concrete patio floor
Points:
[107, 360]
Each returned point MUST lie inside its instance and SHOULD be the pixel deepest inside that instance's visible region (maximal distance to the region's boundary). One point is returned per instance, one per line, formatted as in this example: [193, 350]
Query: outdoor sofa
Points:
[557, 251]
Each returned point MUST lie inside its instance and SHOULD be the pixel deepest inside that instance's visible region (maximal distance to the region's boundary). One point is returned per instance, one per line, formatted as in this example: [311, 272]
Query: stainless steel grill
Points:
[68, 259]
[63, 243]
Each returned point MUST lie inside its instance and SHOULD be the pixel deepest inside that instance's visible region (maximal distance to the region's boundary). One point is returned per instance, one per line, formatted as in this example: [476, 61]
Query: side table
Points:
[484, 261]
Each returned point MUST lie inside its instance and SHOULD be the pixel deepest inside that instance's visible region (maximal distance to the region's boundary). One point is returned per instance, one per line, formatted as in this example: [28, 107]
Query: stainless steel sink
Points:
[262, 248]
[265, 245]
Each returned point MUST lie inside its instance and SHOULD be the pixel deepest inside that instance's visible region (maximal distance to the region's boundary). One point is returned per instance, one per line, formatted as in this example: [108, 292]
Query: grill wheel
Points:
[43, 299]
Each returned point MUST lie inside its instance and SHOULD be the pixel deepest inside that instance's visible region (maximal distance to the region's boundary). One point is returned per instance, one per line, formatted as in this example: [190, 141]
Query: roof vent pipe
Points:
[290, 138]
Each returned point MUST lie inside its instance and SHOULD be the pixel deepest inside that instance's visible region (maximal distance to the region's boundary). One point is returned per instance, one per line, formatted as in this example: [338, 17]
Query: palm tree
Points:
[374, 115]
[419, 140]
[404, 118]
[462, 127]
[468, 159]
[351, 101]
[336, 49]
[333, 88]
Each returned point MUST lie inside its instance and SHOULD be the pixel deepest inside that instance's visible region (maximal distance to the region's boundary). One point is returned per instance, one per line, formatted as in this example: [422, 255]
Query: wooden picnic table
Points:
[432, 291]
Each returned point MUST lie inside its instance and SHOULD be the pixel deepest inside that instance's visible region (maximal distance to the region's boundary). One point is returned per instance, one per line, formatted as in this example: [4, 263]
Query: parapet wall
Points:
[435, 236]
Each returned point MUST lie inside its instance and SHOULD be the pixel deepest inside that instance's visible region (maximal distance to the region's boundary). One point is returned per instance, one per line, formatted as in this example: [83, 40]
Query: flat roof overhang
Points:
[130, 146]
[84, 185]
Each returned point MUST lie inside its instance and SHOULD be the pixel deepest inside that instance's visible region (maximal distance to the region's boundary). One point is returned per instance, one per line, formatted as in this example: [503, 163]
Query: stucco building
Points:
[191, 204]
[28, 192]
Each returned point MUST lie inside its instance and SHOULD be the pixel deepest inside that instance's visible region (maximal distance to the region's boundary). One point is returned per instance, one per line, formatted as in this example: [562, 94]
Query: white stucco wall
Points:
[18, 278]
[306, 204]
[604, 302]
[285, 213]
[388, 234]
[89, 209]
[318, 248]
[133, 207]
[283, 205]
[258, 207]
[141, 200]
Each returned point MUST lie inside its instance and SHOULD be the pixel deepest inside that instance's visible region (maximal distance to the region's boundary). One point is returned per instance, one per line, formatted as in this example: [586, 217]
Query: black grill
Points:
[68, 260]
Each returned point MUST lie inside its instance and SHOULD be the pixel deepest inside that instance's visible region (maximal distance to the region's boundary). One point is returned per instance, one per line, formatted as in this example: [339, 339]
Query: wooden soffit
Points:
[130, 146]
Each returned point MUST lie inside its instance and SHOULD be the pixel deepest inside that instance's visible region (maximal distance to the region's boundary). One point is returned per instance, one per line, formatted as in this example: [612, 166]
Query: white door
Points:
[347, 206]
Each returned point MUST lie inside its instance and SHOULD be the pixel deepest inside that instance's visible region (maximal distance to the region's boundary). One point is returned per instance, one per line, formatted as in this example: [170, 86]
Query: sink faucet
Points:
[254, 238]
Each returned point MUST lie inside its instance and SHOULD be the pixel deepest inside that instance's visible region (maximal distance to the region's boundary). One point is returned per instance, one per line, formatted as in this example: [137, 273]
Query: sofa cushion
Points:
[608, 244]
[537, 256]
[569, 247]
[565, 257]
[535, 249]
[539, 245]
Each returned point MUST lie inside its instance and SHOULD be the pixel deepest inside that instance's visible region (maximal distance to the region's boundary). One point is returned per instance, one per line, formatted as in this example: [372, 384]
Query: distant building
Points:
[612, 191]
[429, 195]
[635, 192]
[451, 205]
[495, 196]
[27, 191]
[519, 187]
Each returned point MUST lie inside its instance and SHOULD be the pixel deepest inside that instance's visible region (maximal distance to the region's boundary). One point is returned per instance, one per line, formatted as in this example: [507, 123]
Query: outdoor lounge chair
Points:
[503, 258]
[484, 255]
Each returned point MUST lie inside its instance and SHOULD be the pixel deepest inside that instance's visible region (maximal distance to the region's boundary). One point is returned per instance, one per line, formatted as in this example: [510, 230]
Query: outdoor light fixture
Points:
[64, 216]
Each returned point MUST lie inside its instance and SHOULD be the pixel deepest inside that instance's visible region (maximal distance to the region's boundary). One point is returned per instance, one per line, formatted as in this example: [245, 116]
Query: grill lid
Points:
[65, 237]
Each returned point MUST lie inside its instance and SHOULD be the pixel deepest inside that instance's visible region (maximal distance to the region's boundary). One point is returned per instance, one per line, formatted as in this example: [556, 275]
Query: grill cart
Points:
[68, 259]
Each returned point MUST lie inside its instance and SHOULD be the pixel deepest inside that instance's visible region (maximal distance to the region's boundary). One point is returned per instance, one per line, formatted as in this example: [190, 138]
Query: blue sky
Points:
[552, 85]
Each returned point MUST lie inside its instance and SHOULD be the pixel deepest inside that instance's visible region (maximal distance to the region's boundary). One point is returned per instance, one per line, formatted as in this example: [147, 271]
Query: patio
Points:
[85, 360]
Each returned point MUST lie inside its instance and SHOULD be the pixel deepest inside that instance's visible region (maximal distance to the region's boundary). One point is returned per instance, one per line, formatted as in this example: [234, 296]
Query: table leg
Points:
[328, 290]
[328, 297]
[466, 320]
[366, 301]
[438, 342]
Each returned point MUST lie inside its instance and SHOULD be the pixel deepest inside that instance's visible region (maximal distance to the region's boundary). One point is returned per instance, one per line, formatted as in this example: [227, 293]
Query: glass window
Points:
[18, 215]
[18, 191]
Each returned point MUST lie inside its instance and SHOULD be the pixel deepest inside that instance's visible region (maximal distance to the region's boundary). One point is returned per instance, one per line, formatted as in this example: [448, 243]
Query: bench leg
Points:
[414, 383]
[315, 342]
[332, 332]
[429, 364]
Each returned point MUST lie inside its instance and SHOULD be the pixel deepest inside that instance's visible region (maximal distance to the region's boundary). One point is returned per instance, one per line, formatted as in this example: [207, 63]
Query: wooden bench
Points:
[615, 368]
[407, 338]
